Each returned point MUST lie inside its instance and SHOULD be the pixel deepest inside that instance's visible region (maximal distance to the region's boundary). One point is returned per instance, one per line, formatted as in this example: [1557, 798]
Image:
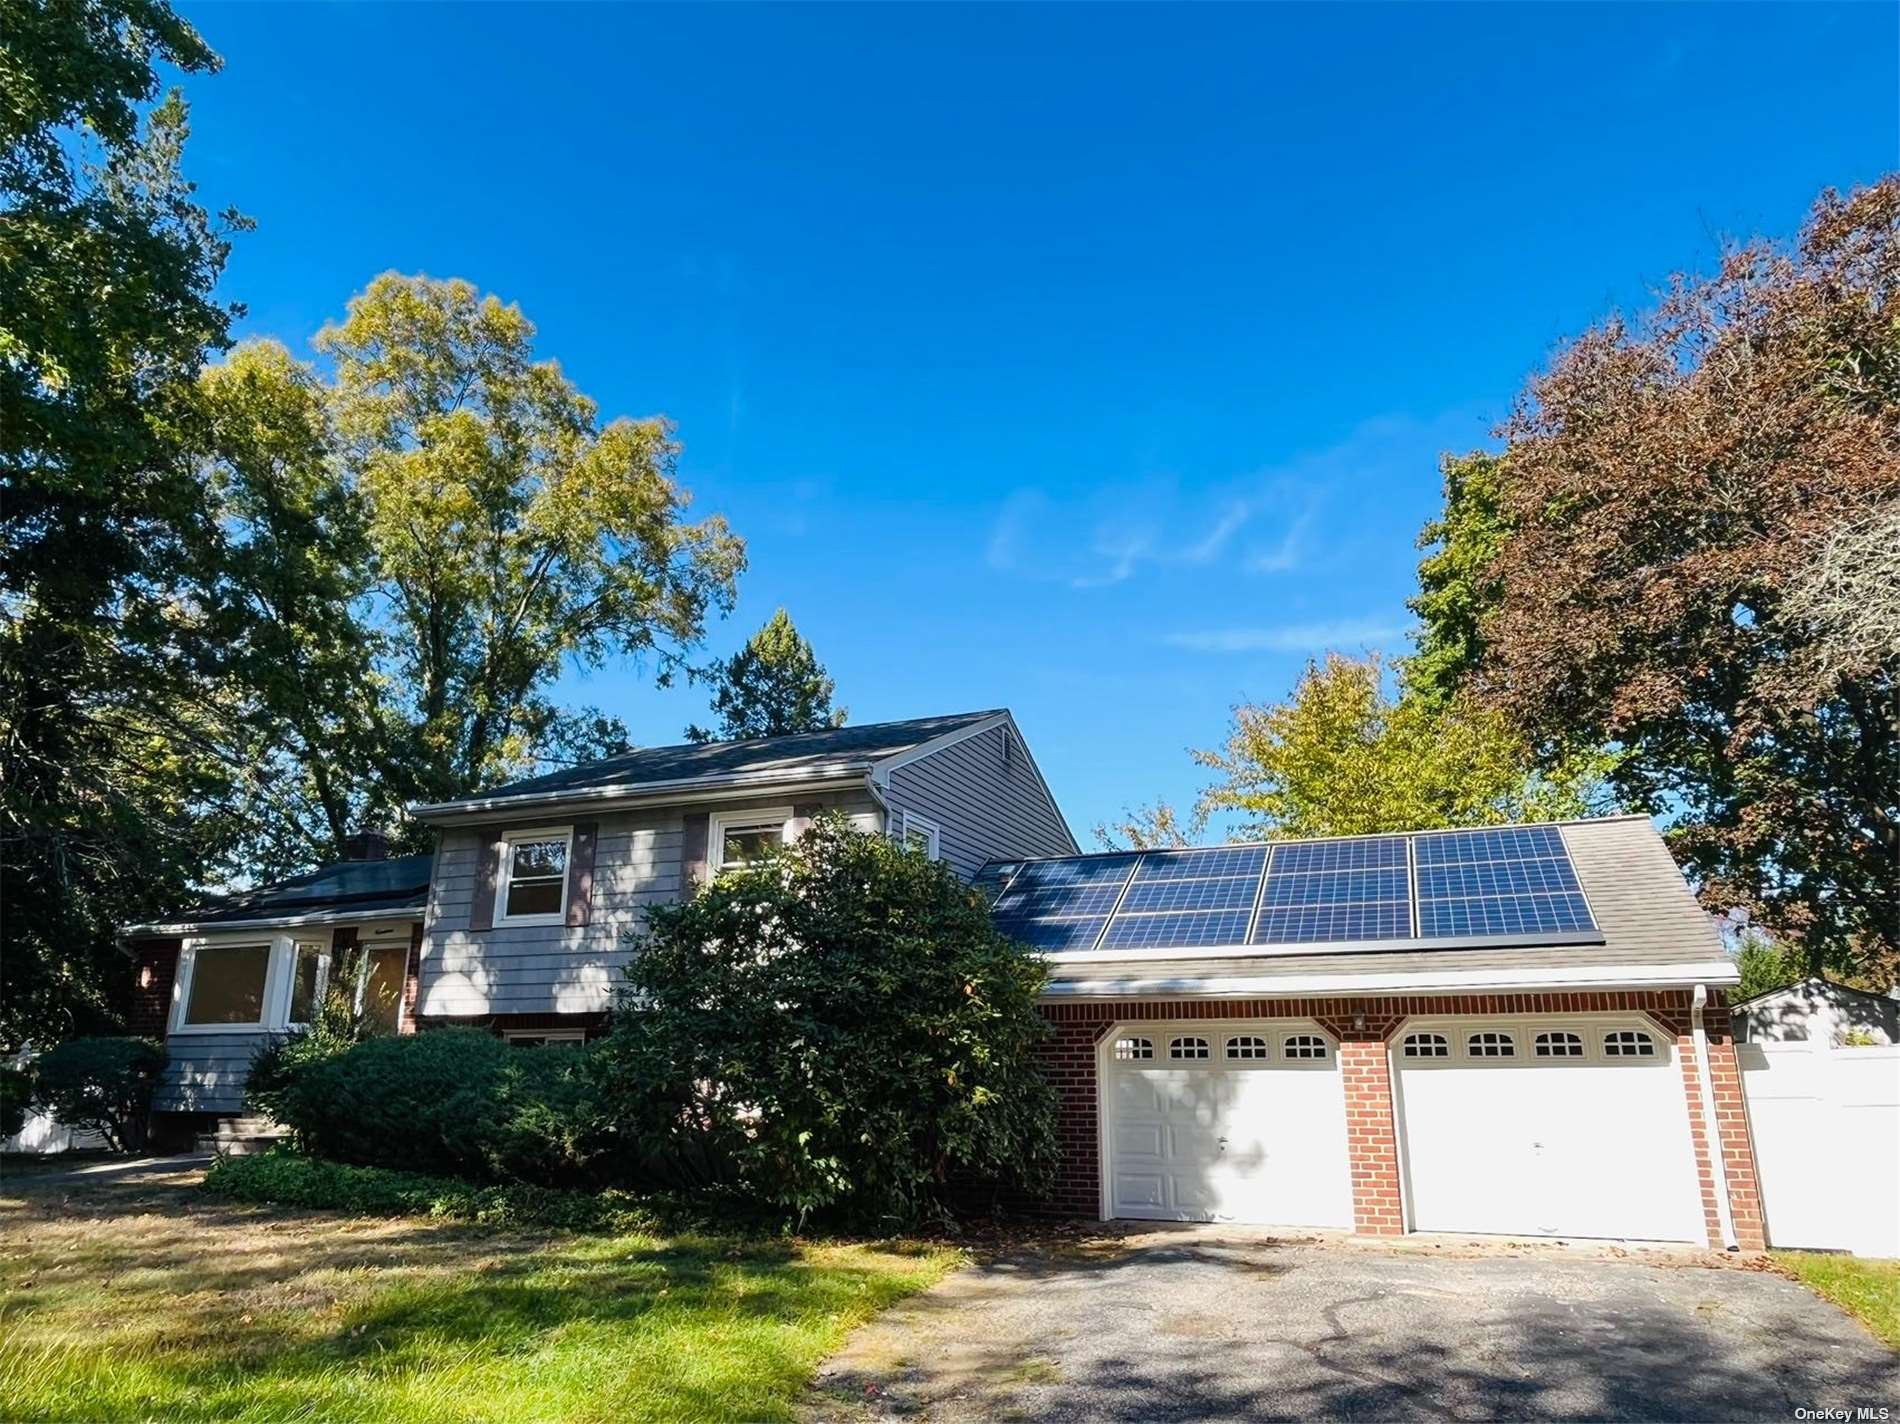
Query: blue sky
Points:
[1090, 362]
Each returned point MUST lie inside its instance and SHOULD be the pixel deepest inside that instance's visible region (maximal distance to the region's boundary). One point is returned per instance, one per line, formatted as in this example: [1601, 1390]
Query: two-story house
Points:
[519, 921]
[1515, 1029]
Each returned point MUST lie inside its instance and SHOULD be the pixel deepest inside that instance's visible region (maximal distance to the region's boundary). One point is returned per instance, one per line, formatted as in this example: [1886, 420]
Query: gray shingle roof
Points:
[872, 742]
[355, 886]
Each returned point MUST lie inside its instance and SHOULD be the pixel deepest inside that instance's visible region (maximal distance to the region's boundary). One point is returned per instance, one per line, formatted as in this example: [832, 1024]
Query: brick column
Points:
[1738, 1145]
[1372, 1143]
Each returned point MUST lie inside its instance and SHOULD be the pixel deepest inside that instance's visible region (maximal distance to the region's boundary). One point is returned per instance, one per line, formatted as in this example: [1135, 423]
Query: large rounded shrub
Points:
[104, 1084]
[847, 1014]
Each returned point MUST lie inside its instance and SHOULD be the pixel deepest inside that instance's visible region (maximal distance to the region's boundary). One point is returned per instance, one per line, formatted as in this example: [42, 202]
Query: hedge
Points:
[288, 1178]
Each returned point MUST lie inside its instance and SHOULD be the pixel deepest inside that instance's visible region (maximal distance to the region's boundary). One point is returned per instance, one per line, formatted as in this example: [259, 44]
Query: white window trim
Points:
[909, 822]
[547, 1035]
[505, 875]
[760, 818]
[325, 955]
[278, 972]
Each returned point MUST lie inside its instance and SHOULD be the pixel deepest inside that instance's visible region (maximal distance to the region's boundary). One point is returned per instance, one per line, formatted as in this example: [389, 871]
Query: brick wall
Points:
[1363, 1028]
[154, 967]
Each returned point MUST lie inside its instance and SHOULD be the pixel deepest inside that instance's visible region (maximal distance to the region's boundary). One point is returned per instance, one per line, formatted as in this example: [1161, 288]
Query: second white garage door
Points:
[1560, 1127]
[1241, 1121]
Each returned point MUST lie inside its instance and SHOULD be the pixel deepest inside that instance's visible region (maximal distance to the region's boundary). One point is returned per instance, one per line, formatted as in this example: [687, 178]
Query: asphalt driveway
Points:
[1222, 1323]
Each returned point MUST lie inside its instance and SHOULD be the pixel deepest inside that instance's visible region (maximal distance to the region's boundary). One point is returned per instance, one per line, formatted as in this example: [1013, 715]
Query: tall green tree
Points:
[1344, 757]
[281, 573]
[773, 685]
[512, 531]
[1456, 587]
[1690, 570]
[107, 270]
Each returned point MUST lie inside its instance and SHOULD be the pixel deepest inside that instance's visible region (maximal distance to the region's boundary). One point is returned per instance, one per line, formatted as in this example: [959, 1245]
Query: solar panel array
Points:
[1515, 880]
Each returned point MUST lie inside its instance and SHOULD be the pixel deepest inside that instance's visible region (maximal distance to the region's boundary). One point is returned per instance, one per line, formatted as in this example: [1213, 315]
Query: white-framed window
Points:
[224, 985]
[1187, 1046]
[231, 980]
[1246, 1046]
[309, 976]
[1557, 1043]
[1307, 1046]
[533, 889]
[1129, 1049]
[1425, 1045]
[1491, 1045]
[1628, 1043]
[741, 838]
[545, 1038]
[918, 834]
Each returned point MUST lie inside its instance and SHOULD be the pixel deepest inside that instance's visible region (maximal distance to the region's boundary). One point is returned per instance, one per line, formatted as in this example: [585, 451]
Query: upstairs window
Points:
[919, 835]
[745, 838]
[534, 876]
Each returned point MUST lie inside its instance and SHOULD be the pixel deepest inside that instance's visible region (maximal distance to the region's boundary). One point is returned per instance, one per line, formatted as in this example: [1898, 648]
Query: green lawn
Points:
[156, 1302]
[1867, 1290]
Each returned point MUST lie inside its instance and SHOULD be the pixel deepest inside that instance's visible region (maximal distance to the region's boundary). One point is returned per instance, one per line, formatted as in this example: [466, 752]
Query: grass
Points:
[1866, 1289]
[152, 1300]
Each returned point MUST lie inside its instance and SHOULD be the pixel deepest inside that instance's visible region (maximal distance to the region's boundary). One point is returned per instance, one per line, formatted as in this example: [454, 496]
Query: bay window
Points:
[227, 985]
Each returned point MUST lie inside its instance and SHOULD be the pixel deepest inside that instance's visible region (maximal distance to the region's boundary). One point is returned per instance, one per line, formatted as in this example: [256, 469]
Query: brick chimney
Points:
[370, 843]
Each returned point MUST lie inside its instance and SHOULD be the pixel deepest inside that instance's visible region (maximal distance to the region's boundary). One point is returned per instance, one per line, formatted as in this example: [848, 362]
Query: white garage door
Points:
[1546, 1128]
[1227, 1122]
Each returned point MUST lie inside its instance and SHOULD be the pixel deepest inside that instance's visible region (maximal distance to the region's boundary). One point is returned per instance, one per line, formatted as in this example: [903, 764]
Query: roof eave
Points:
[271, 922]
[1344, 983]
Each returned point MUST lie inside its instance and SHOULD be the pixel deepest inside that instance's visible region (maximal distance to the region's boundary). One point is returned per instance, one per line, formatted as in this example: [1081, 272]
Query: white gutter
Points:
[825, 776]
[1717, 1169]
[1463, 981]
[275, 922]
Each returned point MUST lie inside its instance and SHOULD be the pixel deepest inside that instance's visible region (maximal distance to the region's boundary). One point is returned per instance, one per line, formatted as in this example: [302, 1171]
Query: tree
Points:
[846, 1011]
[1764, 965]
[1156, 827]
[1669, 489]
[280, 569]
[1455, 585]
[773, 685]
[101, 1084]
[1341, 758]
[512, 531]
[107, 267]
[1849, 597]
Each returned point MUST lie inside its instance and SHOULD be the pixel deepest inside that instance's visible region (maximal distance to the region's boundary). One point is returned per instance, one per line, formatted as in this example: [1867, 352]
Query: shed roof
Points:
[349, 888]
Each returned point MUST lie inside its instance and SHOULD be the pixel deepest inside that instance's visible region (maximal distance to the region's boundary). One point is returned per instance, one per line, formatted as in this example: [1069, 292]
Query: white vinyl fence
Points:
[1827, 1143]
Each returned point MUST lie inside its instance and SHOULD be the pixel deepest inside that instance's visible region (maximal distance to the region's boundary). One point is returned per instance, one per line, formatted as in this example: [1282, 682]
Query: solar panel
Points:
[1183, 899]
[1061, 904]
[1512, 880]
[1318, 892]
[991, 879]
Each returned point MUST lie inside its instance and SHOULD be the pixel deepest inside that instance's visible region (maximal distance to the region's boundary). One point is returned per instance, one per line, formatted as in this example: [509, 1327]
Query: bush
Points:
[291, 1179]
[847, 1017]
[451, 1100]
[275, 1068]
[100, 1083]
[16, 1089]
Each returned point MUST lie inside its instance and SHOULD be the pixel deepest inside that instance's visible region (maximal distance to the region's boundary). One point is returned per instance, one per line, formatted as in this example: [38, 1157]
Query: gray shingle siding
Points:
[205, 1072]
[517, 969]
[986, 804]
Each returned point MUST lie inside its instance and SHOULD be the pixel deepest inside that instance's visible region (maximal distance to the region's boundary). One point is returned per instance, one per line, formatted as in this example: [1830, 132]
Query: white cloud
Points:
[1348, 633]
[1277, 520]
